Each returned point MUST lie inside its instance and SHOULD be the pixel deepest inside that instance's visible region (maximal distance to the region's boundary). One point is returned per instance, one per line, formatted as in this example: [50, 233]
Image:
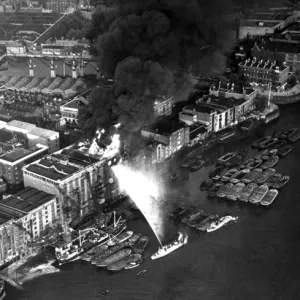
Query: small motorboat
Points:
[246, 125]
[258, 194]
[140, 273]
[248, 190]
[224, 190]
[288, 133]
[236, 191]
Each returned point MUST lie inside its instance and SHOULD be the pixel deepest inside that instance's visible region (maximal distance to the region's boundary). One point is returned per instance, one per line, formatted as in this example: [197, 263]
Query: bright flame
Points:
[145, 194]
[114, 147]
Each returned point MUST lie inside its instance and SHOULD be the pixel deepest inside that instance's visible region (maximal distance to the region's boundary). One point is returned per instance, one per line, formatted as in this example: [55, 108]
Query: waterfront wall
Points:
[286, 97]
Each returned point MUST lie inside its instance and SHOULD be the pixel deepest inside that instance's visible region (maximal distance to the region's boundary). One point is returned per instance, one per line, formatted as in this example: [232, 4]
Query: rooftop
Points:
[257, 23]
[262, 64]
[195, 130]
[20, 204]
[231, 88]
[166, 126]
[42, 132]
[72, 104]
[21, 125]
[283, 47]
[269, 16]
[64, 163]
[15, 154]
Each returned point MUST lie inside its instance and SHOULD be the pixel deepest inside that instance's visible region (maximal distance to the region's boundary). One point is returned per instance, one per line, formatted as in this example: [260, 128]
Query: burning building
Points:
[147, 47]
[73, 173]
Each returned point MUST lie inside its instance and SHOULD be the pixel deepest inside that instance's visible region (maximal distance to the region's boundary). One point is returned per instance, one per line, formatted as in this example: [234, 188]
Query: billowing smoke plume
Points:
[150, 48]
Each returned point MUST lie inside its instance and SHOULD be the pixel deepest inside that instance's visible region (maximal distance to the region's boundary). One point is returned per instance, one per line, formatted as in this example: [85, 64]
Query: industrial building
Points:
[14, 154]
[23, 218]
[72, 173]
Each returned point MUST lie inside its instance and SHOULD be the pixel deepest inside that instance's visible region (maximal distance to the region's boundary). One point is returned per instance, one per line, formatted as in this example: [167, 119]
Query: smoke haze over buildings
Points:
[150, 48]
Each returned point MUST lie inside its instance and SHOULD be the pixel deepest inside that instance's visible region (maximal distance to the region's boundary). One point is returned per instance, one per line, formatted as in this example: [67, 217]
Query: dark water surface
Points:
[256, 258]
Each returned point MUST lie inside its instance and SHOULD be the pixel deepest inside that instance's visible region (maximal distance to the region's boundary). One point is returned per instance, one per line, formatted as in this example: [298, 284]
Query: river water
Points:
[254, 259]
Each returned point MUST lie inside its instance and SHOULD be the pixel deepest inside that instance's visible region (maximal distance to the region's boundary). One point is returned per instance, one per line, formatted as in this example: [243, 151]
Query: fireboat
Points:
[167, 249]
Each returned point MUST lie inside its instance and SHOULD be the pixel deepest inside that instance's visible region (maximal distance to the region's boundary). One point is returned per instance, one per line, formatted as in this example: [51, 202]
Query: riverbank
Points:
[29, 268]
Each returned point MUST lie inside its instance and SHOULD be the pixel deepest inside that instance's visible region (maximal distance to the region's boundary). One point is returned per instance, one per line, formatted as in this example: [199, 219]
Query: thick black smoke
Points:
[151, 48]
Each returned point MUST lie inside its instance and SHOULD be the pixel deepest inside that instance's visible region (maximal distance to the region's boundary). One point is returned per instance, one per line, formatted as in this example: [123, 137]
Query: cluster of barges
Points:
[200, 220]
[255, 179]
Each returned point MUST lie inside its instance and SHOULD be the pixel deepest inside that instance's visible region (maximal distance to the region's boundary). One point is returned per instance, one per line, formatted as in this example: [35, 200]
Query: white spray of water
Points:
[144, 191]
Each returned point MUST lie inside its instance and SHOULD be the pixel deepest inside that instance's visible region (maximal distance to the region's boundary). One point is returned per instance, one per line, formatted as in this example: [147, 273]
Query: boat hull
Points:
[269, 198]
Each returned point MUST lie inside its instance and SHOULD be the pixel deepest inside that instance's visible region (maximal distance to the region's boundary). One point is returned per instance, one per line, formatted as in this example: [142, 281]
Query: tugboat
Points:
[120, 264]
[2, 289]
[221, 222]
[167, 249]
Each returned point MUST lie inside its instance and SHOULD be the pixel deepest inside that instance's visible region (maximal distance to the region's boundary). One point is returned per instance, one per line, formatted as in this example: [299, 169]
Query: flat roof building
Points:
[23, 216]
[71, 174]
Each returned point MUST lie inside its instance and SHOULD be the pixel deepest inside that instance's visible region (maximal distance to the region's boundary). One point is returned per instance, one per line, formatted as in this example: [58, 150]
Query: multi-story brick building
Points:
[163, 106]
[264, 72]
[71, 174]
[61, 6]
[169, 134]
[223, 107]
[23, 217]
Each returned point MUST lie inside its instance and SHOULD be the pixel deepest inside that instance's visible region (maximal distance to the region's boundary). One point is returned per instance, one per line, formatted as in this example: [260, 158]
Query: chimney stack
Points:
[74, 70]
[52, 70]
[232, 88]
[98, 73]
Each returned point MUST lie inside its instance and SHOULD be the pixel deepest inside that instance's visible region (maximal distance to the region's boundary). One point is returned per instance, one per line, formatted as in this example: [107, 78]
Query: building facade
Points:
[13, 160]
[169, 136]
[16, 47]
[35, 135]
[163, 106]
[23, 218]
[61, 6]
[69, 112]
[71, 175]
[260, 71]
[224, 107]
